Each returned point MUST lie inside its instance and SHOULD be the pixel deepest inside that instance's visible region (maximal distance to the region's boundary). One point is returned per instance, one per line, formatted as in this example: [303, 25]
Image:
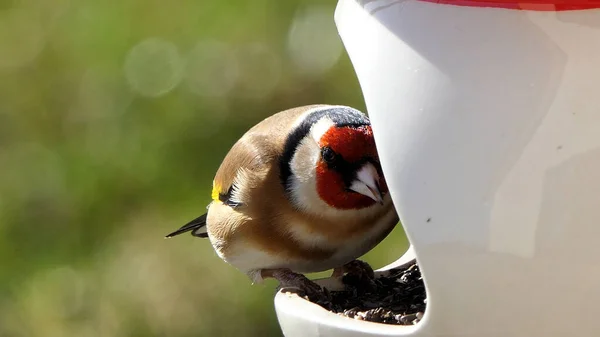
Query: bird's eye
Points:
[328, 155]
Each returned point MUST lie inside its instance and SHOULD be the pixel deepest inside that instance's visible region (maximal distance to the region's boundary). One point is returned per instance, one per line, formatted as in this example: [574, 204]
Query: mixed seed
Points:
[396, 298]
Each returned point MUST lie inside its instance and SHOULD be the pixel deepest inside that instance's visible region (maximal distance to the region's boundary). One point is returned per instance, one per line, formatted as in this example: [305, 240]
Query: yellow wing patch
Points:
[216, 191]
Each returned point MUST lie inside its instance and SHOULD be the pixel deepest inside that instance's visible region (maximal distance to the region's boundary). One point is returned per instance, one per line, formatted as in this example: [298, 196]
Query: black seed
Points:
[392, 299]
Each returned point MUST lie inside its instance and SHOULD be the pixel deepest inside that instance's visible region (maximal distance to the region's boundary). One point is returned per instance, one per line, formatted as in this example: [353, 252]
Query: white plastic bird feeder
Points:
[487, 119]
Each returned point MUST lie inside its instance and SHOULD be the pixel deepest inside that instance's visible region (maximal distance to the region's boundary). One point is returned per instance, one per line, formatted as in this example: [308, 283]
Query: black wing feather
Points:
[193, 226]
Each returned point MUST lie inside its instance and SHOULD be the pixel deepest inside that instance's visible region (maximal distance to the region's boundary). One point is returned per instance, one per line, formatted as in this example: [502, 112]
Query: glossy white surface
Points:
[488, 127]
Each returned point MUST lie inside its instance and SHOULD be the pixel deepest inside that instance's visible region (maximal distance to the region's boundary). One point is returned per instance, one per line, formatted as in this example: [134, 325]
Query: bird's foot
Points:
[294, 281]
[356, 273]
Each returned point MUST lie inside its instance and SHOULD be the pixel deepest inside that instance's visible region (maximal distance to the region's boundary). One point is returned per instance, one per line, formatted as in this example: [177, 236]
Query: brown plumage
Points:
[266, 212]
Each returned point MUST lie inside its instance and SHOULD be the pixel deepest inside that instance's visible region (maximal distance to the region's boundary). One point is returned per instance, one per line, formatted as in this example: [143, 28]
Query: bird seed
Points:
[397, 298]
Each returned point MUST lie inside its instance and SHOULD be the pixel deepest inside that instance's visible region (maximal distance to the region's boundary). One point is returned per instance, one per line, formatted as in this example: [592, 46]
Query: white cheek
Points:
[320, 128]
[304, 161]
[303, 166]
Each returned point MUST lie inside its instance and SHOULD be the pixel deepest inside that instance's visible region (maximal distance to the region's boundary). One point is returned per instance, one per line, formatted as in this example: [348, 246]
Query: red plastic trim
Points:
[530, 5]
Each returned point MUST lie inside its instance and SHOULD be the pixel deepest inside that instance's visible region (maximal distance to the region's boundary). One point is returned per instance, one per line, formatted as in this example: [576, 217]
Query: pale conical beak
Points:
[367, 183]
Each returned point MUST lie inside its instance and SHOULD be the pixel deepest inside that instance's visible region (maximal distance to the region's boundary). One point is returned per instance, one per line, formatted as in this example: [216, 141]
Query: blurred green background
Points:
[114, 116]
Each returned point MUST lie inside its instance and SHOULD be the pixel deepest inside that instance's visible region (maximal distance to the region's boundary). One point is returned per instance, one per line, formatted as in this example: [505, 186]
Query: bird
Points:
[302, 191]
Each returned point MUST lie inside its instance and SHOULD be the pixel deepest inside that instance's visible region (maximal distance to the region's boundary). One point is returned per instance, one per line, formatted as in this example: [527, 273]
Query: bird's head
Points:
[330, 162]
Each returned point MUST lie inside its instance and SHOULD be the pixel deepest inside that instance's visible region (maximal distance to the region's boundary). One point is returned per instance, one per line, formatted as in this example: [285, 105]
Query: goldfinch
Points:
[300, 192]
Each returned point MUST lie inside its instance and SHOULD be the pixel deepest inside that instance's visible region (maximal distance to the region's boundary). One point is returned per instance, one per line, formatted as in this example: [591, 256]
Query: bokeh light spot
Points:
[21, 38]
[212, 70]
[153, 67]
[313, 42]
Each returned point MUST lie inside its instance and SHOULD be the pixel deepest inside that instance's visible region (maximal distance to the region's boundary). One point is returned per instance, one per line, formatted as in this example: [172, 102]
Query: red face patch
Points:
[353, 144]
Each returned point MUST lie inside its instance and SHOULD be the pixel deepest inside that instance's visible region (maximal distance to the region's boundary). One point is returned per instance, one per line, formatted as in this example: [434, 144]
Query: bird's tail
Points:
[197, 226]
